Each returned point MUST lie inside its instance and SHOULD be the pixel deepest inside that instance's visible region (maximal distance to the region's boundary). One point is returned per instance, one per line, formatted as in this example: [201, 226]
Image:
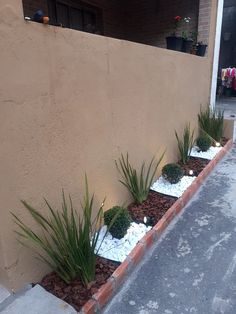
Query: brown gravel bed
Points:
[196, 164]
[153, 208]
[75, 293]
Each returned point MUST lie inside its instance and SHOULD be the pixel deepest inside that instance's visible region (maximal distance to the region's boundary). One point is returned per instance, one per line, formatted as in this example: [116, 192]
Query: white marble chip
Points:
[177, 189]
[209, 154]
[118, 250]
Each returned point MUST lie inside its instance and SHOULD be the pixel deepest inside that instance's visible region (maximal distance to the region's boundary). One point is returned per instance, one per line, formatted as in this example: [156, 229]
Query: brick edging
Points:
[104, 294]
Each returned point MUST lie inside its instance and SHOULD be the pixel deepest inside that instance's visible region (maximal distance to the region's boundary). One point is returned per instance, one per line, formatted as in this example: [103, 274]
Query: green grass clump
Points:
[138, 183]
[211, 123]
[67, 242]
[185, 144]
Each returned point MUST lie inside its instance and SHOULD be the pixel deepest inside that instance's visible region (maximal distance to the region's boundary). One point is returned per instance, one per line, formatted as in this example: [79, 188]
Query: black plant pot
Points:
[187, 45]
[201, 50]
[174, 43]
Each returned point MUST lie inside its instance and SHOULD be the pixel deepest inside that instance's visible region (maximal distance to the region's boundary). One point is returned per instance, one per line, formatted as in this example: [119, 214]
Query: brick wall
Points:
[111, 12]
[147, 22]
[151, 21]
[204, 20]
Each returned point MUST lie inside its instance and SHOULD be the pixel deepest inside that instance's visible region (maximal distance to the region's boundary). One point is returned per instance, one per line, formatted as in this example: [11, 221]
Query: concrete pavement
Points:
[192, 269]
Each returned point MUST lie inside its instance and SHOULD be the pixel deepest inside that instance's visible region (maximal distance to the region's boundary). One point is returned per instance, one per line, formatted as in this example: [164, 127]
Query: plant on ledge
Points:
[185, 145]
[211, 123]
[138, 183]
[187, 38]
[67, 241]
[175, 42]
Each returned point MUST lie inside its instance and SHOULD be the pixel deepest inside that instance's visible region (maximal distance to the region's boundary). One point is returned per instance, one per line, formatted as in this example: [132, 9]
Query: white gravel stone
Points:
[118, 250]
[209, 154]
[177, 189]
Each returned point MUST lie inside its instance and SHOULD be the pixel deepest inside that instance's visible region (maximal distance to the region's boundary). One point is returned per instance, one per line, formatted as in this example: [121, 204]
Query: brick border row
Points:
[105, 293]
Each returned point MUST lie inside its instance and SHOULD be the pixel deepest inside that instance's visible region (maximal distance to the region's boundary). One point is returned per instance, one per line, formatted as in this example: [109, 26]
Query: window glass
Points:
[76, 21]
[63, 14]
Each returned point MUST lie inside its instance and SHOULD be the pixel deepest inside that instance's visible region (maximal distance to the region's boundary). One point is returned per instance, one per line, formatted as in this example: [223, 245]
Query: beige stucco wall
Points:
[70, 103]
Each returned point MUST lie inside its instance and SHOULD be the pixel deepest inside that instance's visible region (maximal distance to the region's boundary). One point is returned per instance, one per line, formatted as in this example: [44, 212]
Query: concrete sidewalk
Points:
[192, 269]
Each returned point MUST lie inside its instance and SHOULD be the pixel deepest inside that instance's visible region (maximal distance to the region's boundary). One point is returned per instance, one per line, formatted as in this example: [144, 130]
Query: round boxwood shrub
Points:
[122, 221]
[172, 173]
[204, 143]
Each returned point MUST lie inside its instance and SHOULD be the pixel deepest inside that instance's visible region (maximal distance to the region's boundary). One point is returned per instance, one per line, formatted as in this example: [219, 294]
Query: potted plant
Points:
[187, 40]
[175, 42]
[193, 36]
[201, 49]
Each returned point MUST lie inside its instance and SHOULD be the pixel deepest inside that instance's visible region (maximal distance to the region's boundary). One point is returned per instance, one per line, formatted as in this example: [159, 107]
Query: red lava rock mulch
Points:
[153, 208]
[196, 164]
[75, 293]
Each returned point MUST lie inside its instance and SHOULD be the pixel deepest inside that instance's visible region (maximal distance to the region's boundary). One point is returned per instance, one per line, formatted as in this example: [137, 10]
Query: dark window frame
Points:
[84, 7]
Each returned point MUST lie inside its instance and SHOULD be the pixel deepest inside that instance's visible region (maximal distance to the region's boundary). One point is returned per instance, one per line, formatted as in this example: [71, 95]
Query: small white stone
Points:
[119, 249]
[177, 189]
[209, 154]
[131, 302]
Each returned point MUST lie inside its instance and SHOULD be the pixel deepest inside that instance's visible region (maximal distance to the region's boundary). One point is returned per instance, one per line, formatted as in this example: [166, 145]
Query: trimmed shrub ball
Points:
[172, 173]
[204, 143]
[122, 222]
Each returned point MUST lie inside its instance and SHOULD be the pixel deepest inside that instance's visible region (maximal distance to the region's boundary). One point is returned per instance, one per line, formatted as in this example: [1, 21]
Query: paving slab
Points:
[192, 269]
[4, 293]
[38, 301]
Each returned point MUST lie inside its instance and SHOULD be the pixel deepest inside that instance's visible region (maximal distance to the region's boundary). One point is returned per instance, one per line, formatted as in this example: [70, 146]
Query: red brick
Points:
[104, 293]
[209, 167]
[228, 145]
[149, 238]
[90, 307]
[160, 226]
[220, 155]
[189, 193]
[199, 180]
[137, 253]
[169, 215]
[205, 172]
[178, 205]
[120, 273]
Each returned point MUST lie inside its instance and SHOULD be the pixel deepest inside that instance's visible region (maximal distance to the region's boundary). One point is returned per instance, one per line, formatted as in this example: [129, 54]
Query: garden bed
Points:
[157, 211]
[153, 208]
[195, 164]
[75, 293]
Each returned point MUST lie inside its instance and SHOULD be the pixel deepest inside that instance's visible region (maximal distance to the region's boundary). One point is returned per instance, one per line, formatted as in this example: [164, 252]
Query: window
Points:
[76, 15]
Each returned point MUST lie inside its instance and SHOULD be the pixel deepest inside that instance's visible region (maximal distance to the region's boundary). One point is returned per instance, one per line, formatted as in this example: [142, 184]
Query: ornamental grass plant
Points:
[67, 241]
[185, 144]
[139, 182]
[211, 123]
